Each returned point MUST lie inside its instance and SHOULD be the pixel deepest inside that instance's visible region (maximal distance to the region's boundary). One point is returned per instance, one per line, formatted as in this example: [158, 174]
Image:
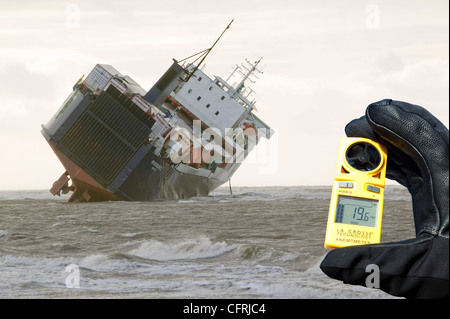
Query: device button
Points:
[373, 189]
[345, 184]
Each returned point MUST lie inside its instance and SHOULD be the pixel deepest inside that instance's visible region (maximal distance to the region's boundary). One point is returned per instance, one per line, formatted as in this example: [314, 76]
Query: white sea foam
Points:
[17, 261]
[187, 249]
[129, 235]
[93, 261]
[4, 233]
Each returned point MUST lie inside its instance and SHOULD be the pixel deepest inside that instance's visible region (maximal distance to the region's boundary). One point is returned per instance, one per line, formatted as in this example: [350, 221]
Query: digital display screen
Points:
[356, 211]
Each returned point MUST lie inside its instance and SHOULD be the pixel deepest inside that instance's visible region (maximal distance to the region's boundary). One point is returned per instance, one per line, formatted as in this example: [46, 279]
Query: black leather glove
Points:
[418, 158]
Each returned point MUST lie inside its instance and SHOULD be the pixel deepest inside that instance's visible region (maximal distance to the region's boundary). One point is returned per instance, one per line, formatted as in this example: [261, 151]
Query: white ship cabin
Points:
[216, 103]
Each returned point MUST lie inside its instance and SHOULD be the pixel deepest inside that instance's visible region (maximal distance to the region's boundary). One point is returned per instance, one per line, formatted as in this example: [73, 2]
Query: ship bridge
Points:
[189, 92]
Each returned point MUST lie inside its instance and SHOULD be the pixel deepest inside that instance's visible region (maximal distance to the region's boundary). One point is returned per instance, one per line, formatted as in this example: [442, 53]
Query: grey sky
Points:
[324, 62]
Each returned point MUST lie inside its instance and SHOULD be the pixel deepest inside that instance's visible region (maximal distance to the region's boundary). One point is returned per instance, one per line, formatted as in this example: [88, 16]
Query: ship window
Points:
[199, 98]
[222, 98]
[208, 105]
[190, 90]
[199, 79]
[217, 113]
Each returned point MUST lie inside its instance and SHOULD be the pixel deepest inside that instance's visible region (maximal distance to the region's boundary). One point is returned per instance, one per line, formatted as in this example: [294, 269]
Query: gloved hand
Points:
[418, 158]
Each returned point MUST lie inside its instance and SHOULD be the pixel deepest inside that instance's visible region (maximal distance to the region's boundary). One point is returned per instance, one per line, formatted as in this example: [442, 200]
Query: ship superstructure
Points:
[184, 137]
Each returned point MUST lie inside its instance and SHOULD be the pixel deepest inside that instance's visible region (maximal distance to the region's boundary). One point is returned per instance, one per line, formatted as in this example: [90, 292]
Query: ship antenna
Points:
[205, 53]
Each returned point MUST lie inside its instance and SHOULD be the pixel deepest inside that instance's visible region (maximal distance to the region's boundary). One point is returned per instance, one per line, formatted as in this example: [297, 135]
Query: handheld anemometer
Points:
[357, 198]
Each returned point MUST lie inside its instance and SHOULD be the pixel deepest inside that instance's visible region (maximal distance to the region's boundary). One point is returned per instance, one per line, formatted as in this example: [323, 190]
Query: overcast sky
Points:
[324, 62]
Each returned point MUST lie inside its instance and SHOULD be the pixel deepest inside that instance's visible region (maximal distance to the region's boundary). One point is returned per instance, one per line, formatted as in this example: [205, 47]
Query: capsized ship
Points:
[184, 137]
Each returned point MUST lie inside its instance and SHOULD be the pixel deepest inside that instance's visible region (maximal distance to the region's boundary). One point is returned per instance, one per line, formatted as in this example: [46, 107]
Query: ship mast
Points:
[241, 86]
[250, 70]
[204, 53]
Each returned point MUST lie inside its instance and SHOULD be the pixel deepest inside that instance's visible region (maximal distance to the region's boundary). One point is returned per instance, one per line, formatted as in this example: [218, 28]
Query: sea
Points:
[250, 243]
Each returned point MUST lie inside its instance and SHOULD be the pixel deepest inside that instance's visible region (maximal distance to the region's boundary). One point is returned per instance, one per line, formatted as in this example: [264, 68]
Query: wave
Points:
[103, 274]
[4, 233]
[188, 249]
[7, 260]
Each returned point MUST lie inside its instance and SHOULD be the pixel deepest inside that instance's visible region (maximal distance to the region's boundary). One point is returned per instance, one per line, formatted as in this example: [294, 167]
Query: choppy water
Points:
[256, 243]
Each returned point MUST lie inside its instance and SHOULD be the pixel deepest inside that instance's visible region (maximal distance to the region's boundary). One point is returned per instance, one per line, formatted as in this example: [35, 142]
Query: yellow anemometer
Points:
[358, 193]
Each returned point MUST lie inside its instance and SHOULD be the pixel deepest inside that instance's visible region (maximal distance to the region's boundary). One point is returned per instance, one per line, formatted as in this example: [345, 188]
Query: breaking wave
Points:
[187, 249]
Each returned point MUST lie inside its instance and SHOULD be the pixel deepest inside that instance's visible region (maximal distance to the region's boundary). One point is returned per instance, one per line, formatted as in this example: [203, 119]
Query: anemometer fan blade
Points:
[363, 156]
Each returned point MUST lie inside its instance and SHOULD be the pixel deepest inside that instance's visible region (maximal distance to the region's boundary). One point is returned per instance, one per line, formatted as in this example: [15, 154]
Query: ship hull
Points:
[142, 184]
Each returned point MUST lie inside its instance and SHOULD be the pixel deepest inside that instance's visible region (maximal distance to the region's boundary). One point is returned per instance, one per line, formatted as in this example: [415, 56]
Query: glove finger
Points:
[412, 129]
[361, 128]
[404, 268]
[425, 140]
